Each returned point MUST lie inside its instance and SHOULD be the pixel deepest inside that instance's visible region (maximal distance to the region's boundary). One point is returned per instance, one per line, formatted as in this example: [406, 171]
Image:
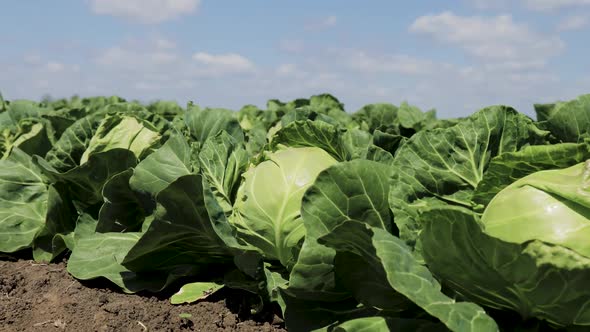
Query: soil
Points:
[44, 297]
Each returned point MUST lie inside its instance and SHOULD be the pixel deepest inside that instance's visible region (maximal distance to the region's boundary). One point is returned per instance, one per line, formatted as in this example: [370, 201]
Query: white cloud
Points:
[161, 63]
[224, 63]
[321, 24]
[399, 63]
[32, 59]
[42, 83]
[145, 11]
[292, 46]
[293, 72]
[123, 57]
[37, 62]
[531, 65]
[165, 44]
[54, 67]
[538, 5]
[496, 38]
[554, 4]
[329, 21]
[163, 57]
[573, 23]
[489, 4]
[286, 69]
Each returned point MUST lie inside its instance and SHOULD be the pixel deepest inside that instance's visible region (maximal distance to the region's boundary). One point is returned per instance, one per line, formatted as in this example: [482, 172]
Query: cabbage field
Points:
[382, 219]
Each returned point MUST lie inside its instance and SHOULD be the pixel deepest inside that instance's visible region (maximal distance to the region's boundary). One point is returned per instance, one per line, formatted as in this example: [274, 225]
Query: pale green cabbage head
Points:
[267, 212]
[552, 206]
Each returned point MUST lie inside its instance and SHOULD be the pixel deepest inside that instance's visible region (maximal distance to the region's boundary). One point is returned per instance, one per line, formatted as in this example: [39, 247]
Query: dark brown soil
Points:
[44, 297]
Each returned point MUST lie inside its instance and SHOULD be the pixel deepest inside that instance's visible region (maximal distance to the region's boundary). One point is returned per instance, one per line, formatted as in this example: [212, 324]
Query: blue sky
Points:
[455, 56]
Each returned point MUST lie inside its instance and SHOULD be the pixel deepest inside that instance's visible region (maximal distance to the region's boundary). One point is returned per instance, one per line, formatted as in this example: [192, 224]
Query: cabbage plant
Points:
[499, 215]
[386, 219]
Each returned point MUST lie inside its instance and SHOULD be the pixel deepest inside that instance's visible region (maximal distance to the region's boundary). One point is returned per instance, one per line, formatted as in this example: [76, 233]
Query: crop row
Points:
[387, 218]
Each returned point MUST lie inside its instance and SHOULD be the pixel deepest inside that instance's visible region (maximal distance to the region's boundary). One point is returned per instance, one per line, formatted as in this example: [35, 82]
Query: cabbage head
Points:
[267, 209]
[552, 206]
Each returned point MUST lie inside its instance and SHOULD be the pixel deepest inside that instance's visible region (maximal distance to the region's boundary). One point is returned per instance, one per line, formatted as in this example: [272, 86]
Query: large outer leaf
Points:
[23, 126]
[2, 104]
[382, 116]
[410, 117]
[509, 167]
[32, 212]
[384, 324]
[35, 140]
[124, 132]
[304, 316]
[23, 201]
[388, 142]
[100, 255]
[121, 211]
[568, 121]
[25, 110]
[377, 154]
[313, 133]
[390, 266]
[161, 168]
[86, 182]
[351, 190]
[60, 222]
[223, 160]
[535, 279]
[68, 150]
[208, 122]
[342, 144]
[325, 102]
[61, 120]
[166, 108]
[357, 143]
[182, 233]
[302, 114]
[449, 163]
